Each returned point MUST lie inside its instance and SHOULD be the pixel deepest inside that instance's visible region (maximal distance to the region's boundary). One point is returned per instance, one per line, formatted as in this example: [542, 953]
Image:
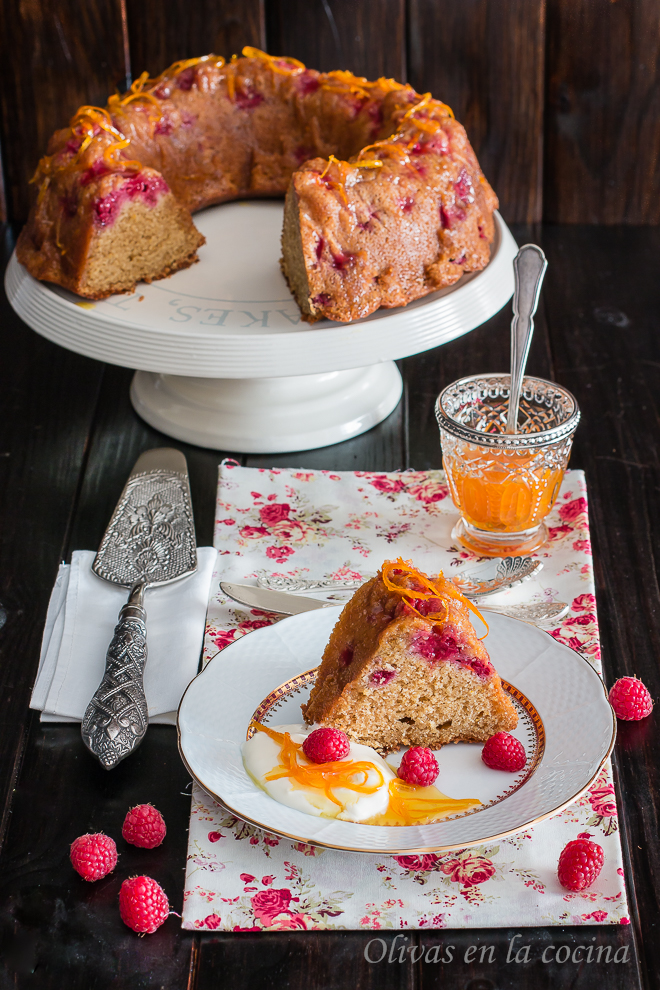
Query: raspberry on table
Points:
[580, 863]
[93, 855]
[325, 745]
[504, 752]
[419, 766]
[144, 826]
[143, 904]
[630, 699]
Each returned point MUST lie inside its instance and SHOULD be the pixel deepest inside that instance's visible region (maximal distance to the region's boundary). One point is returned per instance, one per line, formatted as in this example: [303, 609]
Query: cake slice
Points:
[108, 225]
[404, 666]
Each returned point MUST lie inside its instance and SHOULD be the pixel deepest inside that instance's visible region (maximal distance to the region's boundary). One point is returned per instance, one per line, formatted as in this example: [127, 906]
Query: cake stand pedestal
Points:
[268, 415]
[222, 357]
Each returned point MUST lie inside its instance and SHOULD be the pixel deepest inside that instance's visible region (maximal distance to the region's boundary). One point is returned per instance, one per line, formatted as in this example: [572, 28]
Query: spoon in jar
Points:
[529, 267]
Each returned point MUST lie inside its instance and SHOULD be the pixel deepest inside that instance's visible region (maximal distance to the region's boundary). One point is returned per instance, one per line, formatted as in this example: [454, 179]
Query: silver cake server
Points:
[543, 613]
[150, 541]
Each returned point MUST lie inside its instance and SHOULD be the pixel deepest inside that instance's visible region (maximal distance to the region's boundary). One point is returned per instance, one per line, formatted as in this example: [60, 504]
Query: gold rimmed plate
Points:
[565, 723]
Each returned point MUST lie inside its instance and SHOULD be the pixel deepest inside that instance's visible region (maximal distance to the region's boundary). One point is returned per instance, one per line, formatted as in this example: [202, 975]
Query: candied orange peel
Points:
[338, 773]
[400, 570]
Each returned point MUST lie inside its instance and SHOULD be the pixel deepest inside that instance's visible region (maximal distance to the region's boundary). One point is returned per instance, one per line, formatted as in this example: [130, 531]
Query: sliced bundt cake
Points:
[409, 214]
[404, 666]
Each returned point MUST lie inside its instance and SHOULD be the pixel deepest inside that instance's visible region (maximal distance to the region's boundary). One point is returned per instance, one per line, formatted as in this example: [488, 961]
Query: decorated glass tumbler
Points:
[504, 484]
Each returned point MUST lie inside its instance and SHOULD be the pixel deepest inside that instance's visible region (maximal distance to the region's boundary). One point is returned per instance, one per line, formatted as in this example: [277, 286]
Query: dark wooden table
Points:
[69, 439]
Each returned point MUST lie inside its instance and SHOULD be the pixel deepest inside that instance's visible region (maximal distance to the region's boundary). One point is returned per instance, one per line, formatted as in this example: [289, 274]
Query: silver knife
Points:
[540, 613]
[272, 601]
[150, 541]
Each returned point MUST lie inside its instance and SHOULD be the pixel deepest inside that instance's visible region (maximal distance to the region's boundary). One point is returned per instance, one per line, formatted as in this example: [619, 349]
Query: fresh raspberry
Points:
[144, 826]
[325, 745]
[504, 752]
[580, 863]
[143, 904]
[419, 766]
[93, 855]
[630, 699]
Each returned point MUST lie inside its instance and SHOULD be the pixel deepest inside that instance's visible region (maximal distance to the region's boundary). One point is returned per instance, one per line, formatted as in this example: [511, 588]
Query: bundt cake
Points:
[404, 666]
[386, 200]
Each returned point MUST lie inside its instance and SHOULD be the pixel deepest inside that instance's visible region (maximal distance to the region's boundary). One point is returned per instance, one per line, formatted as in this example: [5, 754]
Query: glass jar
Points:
[504, 484]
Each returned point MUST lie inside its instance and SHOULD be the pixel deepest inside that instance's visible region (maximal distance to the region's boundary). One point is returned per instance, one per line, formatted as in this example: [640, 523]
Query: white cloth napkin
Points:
[82, 614]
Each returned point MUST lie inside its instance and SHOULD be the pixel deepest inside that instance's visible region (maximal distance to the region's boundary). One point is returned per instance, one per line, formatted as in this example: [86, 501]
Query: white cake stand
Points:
[223, 358]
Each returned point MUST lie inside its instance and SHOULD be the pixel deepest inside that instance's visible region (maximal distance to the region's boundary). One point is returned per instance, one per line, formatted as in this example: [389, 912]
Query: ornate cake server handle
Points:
[117, 717]
[149, 542]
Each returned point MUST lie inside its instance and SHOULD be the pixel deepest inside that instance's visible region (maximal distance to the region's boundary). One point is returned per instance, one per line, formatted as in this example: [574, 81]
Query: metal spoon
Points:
[529, 267]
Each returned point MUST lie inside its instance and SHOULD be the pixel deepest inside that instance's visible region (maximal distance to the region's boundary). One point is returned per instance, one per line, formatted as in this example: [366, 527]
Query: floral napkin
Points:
[322, 524]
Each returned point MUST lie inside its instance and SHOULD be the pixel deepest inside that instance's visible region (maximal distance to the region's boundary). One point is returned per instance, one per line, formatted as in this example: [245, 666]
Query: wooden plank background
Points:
[561, 98]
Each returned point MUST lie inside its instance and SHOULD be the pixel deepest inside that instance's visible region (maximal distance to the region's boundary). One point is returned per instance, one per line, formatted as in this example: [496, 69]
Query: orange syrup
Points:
[413, 805]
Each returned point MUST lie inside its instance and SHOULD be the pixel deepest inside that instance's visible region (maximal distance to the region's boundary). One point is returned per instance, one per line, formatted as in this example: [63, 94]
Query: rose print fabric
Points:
[321, 524]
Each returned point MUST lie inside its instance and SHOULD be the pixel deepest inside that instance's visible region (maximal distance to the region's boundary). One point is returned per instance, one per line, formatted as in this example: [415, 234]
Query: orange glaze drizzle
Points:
[324, 776]
[395, 572]
[413, 805]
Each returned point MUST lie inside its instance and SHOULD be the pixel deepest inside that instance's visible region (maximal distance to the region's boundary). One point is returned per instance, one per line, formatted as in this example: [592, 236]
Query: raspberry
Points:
[93, 855]
[419, 766]
[325, 745]
[144, 826]
[580, 863]
[504, 752]
[630, 699]
[143, 904]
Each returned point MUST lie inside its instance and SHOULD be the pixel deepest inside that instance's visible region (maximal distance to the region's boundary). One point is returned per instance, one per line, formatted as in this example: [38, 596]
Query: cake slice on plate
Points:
[404, 666]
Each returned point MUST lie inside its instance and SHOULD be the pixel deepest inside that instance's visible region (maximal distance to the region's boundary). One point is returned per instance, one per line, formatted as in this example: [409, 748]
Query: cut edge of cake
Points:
[134, 230]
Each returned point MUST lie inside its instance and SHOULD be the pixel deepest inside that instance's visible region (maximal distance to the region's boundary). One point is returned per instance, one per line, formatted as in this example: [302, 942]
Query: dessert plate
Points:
[566, 725]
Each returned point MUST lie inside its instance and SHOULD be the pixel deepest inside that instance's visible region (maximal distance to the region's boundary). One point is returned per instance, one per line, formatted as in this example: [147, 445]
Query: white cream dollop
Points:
[261, 754]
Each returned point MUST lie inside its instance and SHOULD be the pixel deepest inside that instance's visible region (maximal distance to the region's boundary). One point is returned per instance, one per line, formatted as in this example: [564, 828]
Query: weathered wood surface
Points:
[561, 98]
[71, 438]
[485, 58]
[602, 141]
[162, 33]
[367, 38]
[54, 56]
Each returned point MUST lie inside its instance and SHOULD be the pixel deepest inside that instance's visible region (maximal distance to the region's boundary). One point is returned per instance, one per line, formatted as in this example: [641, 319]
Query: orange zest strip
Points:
[338, 184]
[116, 102]
[344, 168]
[230, 79]
[341, 80]
[84, 122]
[186, 63]
[438, 588]
[326, 776]
[331, 161]
[388, 147]
[291, 67]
